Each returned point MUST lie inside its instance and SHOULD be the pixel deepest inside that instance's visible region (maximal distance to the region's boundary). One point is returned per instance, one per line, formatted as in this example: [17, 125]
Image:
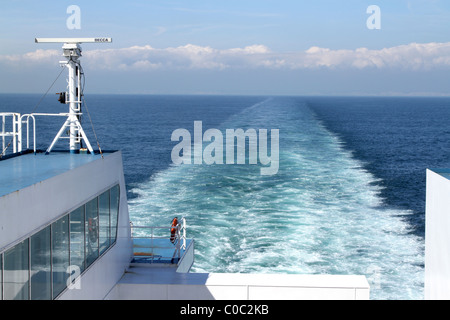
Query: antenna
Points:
[73, 40]
[72, 52]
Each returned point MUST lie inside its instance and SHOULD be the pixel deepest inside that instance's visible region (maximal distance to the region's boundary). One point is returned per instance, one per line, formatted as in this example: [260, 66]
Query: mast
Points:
[72, 52]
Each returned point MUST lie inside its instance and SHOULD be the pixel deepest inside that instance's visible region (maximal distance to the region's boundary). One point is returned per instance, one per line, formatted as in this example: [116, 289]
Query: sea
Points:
[348, 196]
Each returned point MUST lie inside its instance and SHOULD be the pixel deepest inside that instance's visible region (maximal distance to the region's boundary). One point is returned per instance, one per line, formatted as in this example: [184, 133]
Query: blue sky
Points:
[234, 47]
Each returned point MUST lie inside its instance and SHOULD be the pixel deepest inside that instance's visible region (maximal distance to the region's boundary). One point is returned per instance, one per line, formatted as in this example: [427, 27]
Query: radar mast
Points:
[72, 52]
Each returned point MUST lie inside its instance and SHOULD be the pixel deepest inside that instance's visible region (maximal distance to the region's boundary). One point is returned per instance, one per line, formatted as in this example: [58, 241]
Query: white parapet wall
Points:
[163, 283]
[31, 208]
[437, 235]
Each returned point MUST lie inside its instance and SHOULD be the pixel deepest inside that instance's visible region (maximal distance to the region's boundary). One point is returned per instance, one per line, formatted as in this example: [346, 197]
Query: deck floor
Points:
[160, 251]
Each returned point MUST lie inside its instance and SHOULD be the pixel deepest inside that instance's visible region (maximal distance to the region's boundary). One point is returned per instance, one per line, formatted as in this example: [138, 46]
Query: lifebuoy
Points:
[173, 230]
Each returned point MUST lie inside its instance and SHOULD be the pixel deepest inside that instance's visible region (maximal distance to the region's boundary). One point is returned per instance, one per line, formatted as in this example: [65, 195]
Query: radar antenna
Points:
[72, 52]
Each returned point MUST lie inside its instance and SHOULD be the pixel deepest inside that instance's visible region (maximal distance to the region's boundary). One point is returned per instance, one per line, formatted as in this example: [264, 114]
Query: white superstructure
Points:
[437, 235]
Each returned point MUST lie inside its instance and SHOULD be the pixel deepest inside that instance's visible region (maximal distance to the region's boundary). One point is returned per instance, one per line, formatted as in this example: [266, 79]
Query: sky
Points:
[246, 47]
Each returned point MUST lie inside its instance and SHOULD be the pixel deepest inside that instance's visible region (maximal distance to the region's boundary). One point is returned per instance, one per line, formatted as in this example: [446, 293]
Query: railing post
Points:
[34, 134]
[152, 246]
[155, 244]
[3, 133]
[28, 130]
[184, 232]
[14, 133]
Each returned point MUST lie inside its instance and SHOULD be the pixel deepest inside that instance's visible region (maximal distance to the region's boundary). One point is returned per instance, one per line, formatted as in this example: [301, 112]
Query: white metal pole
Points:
[14, 132]
[60, 132]
[3, 133]
[19, 133]
[79, 88]
[71, 66]
[83, 135]
[72, 51]
[184, 232]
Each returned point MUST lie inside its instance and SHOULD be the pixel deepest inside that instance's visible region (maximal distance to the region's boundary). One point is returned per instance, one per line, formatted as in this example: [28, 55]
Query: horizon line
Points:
[362, 95]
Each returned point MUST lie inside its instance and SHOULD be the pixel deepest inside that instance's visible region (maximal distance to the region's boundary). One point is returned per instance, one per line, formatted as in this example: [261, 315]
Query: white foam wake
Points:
[320, 214]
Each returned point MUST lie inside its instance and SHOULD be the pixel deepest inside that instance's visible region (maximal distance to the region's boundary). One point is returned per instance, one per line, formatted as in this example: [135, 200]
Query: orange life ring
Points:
[173, 230]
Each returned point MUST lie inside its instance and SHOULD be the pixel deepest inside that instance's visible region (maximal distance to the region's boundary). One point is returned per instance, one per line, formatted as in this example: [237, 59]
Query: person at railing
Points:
[173, 230]
[174, 236]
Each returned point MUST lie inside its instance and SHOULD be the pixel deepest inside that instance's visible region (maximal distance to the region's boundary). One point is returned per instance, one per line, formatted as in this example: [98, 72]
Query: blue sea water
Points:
[348, 197]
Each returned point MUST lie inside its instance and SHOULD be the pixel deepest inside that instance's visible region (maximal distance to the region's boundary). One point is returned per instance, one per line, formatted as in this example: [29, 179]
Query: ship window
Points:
[52, 255]
[77, 238]
[60, 254]
[104, 218]
[16, 272]
[115, 195]
[91, 230]
[40, 265]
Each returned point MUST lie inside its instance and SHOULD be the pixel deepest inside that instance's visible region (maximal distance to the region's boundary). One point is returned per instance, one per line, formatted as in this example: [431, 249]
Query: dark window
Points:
[91, 230]
[77, 238]
[16, 272]
[60, 254]
[40, 267]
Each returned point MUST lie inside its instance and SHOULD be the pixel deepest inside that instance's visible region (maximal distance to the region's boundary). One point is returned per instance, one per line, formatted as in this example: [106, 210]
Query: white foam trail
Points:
[319, 214]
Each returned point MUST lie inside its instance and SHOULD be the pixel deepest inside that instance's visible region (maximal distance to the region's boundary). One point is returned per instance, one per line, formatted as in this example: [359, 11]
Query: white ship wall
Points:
[437, 237]
[28, 210]
[164, 284]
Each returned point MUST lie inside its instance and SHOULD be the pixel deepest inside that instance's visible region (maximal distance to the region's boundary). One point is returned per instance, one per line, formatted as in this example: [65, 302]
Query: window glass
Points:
[115, 194]
[103, 212]
[91, 231]
[40, 265]
[60, 254]
[16, 272]
[77, 238]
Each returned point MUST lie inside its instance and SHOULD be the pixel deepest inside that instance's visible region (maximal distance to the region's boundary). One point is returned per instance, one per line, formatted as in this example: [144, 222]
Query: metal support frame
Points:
[72, 52]
[149, 234]
[16, 133]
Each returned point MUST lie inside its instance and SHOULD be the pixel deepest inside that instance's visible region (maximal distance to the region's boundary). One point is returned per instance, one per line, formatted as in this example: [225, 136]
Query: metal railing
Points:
[156, 244]
[16, 131]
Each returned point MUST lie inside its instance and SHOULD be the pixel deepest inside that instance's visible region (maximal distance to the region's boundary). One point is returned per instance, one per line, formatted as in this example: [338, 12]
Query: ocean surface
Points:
[348, 197]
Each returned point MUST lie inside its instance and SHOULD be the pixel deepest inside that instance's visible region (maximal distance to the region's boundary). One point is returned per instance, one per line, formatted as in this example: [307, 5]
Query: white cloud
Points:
[184, 57]
[39, 55]
[412, 56]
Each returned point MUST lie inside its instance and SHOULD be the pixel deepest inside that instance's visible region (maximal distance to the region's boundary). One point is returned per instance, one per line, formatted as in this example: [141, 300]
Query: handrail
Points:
[28, 130]
[16, 129]
[16, 133]
[177, 245]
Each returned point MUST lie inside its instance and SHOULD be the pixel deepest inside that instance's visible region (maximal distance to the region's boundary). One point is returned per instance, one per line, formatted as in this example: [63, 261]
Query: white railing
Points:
[28, 116]
[16, 131]
[156, 243]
